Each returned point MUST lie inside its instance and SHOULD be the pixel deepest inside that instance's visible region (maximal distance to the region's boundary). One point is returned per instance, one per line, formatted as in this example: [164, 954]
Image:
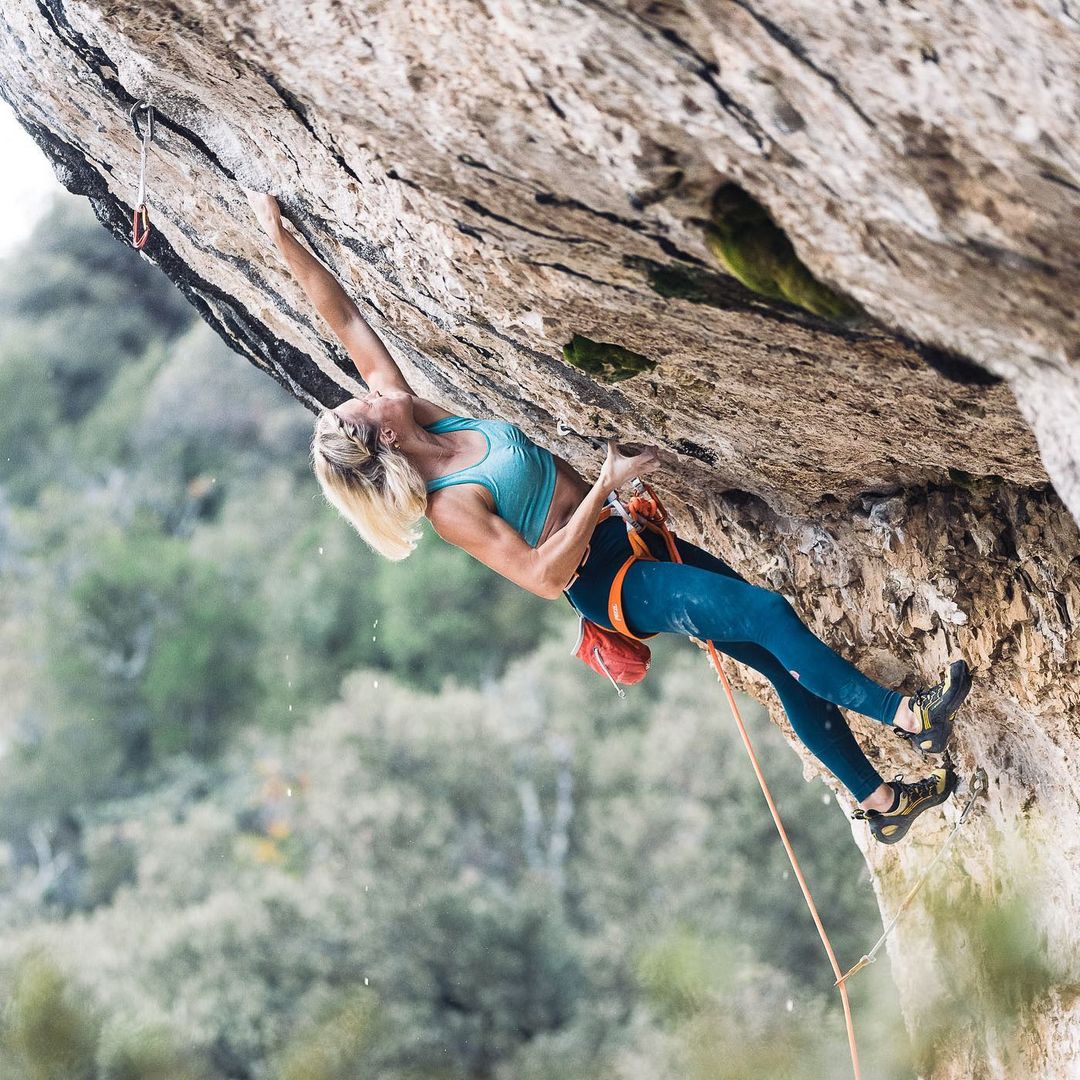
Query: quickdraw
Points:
[140, 218]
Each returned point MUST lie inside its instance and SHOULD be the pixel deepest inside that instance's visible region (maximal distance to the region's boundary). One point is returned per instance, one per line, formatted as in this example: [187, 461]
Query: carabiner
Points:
[140, 227]
[149, 135]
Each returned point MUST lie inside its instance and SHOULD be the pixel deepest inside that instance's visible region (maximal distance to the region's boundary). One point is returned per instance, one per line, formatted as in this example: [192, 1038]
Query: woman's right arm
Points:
[546, 570]
[376, 366]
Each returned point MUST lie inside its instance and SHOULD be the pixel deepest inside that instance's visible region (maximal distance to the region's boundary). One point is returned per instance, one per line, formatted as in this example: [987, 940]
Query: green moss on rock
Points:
[754, 249]
[694, 284]
[979, 485]
[604, 360]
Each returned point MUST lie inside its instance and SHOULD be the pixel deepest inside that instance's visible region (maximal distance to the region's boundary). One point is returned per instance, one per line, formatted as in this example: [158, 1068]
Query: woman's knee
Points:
[772, 605]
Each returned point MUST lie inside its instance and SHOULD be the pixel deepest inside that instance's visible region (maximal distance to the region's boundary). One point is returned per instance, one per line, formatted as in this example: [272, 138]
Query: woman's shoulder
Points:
[427, 412]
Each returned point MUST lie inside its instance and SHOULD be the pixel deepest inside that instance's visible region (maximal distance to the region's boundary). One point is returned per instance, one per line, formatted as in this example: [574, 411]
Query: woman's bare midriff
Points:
[570, 490]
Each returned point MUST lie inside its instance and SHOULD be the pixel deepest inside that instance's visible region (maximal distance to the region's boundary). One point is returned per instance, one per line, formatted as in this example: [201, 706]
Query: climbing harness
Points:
[977, 787]
[140, 219]
[617, 654]
[621, 657]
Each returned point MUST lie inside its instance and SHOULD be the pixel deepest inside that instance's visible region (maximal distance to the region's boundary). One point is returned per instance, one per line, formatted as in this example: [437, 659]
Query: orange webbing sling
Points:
[644, 511]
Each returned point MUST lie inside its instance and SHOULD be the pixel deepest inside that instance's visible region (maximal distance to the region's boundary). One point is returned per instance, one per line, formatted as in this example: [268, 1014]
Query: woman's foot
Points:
[926, 718]
[909, 801]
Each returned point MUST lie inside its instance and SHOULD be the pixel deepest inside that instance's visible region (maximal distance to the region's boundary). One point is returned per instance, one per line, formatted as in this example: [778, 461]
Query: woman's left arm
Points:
[376, 366]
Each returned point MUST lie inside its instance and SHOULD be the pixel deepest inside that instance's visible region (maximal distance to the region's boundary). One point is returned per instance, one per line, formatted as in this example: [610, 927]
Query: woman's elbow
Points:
[548, 588]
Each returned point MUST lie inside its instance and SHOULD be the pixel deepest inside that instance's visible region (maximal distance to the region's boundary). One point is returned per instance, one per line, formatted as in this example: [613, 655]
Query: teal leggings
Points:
[704, 598]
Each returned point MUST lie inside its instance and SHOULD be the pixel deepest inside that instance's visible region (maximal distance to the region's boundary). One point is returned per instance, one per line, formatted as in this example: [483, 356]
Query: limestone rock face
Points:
[492, 179]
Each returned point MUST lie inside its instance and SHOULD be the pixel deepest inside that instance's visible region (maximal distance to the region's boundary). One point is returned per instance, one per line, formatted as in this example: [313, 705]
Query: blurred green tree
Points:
[150, 651]
[28, 420]
[161, 647]
[444, 615]
[55, 293]
[514, 876]
[48, 1032]
[338, 1046]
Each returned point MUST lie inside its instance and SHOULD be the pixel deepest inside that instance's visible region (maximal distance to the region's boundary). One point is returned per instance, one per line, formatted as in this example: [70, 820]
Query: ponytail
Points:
[373, 486]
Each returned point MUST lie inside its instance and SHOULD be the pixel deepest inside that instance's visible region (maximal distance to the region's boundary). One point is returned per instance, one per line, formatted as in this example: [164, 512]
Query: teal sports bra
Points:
[519, 474]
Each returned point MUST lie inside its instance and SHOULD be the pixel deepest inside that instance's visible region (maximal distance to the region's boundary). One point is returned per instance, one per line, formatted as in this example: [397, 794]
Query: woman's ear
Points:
[388, 437]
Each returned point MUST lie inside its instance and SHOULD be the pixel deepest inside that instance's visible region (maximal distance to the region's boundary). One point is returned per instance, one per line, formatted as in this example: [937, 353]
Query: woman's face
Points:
[385, 410]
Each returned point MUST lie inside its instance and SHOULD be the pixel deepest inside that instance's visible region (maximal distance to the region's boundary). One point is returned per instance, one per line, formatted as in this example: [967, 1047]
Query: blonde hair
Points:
[374, 487]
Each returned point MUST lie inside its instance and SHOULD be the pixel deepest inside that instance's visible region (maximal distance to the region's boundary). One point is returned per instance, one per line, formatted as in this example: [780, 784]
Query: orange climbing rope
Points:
[646, 511]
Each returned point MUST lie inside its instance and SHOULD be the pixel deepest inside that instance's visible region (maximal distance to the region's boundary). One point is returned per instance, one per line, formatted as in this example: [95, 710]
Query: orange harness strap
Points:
[649, 514]
[615, 600]
[615, 612]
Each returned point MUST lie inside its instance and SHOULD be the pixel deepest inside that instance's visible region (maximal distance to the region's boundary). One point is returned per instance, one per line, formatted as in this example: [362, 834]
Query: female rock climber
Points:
[389, 458]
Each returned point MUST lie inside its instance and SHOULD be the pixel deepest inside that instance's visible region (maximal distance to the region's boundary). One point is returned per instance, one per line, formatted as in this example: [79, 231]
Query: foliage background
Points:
[272, 807]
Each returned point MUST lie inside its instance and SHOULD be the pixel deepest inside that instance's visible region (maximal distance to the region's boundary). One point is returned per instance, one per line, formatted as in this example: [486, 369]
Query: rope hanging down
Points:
[140, 219]
[644, 511]
[645, 507]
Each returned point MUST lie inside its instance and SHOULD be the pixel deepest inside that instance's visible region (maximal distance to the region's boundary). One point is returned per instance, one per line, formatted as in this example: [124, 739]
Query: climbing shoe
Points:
[934, 710]
[912, 799]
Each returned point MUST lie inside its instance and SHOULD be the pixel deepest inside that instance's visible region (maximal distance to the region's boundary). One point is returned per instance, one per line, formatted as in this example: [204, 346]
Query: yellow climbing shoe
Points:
[934, 709]
[911, 800]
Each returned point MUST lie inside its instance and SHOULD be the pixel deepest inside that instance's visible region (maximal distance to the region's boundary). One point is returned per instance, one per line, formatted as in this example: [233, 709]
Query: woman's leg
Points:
[818, 723]
[718, 606]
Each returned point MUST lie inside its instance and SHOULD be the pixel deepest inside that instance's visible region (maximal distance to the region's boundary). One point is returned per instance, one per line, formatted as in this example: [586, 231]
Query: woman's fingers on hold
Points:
[265, 207]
